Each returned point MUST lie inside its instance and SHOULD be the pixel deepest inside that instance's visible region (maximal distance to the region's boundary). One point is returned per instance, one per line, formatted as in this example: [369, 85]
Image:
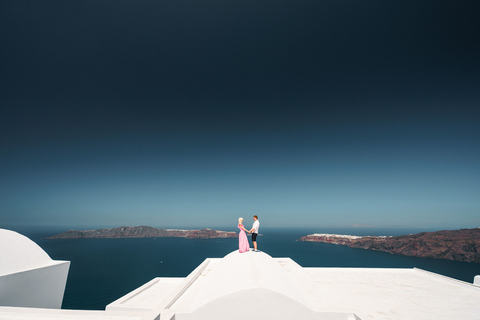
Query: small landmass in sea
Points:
[143, 232]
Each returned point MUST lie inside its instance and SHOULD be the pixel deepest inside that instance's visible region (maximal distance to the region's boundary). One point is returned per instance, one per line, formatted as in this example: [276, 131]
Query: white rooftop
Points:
[315, 293]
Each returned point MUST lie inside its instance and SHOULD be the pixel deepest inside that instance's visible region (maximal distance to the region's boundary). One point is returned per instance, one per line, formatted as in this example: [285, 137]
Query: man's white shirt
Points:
[255, 226]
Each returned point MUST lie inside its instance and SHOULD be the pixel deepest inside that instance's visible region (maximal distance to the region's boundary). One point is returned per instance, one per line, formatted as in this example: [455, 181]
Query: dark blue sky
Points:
[182, 113]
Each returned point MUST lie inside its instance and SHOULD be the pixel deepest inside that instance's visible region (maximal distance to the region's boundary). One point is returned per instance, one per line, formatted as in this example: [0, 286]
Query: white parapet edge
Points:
[460, 282]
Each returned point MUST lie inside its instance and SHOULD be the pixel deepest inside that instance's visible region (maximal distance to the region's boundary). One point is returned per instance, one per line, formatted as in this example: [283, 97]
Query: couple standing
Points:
[243, 245]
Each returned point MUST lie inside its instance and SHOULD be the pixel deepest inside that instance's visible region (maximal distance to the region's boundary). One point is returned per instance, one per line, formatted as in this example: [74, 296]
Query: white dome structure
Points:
[20, 252]
[28, 276]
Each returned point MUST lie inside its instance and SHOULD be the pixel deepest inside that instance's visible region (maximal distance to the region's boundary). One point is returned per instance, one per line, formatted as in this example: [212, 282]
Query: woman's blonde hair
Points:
[240, 220]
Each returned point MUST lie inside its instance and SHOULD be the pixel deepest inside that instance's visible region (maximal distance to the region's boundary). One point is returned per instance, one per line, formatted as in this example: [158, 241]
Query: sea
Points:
[103, 270]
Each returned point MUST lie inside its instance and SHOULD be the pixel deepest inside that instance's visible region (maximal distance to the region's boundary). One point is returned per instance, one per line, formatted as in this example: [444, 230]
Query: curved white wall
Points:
[19, 253]
[28, 276]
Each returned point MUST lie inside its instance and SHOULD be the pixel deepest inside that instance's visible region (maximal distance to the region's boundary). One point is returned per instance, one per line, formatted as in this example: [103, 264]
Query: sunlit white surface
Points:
[28, 277]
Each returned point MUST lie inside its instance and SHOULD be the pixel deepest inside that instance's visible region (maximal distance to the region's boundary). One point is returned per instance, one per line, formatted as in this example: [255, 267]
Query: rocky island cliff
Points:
[143, 232]
[458, 245]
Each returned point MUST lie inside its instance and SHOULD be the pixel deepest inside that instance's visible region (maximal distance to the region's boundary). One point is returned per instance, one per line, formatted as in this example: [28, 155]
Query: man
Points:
[254, 232]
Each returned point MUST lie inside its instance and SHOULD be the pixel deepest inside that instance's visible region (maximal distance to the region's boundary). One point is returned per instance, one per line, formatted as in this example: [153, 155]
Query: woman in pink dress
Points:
[243, 245]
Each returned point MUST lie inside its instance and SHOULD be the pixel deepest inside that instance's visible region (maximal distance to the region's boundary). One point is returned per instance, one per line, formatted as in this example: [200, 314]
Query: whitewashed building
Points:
[28, 277]
[255, 285]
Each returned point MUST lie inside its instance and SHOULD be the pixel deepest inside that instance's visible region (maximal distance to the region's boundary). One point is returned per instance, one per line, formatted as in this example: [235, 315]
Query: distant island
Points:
[143, 232]
[458, 245]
